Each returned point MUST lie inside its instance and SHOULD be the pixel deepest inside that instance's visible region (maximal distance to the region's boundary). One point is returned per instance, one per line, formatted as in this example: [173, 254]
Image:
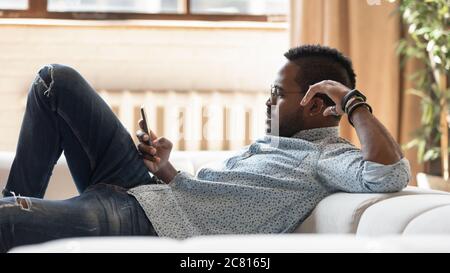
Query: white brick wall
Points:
[145, 56]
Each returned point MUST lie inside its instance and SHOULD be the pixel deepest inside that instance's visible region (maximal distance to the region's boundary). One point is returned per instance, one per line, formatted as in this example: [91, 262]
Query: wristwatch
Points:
[349, 95]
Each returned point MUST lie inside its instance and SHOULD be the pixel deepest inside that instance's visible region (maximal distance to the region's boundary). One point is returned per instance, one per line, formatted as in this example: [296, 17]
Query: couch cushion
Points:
[341, 212]
[6, 160]
[181, 163]
[276, 243]
[392, 216]
[434, 221]
[192, 161]
[61, 184]
[200, 159]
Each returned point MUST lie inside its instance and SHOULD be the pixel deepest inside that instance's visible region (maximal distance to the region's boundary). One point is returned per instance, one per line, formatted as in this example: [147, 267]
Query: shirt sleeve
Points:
[343, 169]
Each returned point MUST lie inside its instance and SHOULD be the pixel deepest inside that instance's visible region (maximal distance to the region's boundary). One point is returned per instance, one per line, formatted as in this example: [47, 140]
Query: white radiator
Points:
[194, 120]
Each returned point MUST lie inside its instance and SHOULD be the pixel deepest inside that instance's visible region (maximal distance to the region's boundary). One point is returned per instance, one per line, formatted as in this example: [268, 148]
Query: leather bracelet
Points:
[354, 107]
[351, 100]
[346, 98]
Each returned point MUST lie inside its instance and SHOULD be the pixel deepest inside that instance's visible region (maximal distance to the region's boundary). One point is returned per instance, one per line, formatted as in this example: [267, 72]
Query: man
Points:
[270, 186]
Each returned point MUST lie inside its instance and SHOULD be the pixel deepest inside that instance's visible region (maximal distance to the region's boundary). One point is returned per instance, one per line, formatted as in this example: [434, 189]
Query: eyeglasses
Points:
[276, 92]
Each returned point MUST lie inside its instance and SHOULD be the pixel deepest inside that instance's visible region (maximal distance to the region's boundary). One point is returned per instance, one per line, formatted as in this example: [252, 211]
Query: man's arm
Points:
[377, 167]
[377, 144]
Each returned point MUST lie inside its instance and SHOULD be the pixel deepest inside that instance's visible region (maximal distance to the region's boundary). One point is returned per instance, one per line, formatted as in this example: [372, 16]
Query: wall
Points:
[133, 56]
[136, 55]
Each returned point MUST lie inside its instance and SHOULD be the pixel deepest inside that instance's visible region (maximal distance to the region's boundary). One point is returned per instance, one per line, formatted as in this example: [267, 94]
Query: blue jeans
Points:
[64, 113]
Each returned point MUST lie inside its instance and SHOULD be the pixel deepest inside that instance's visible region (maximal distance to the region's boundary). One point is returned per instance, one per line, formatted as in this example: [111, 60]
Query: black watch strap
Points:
[349, 95]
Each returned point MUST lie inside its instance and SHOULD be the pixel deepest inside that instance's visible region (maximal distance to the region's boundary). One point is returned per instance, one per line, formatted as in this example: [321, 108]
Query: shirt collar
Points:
[317, 133]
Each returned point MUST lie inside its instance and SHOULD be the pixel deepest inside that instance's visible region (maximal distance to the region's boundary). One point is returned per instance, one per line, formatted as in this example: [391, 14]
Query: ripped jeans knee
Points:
[43, 86]
[16, 200]
[13, 211]
[56, 78]
[45, 76]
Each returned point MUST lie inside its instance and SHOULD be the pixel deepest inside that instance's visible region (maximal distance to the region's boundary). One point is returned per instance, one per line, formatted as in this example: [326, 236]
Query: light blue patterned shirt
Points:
[271, 186]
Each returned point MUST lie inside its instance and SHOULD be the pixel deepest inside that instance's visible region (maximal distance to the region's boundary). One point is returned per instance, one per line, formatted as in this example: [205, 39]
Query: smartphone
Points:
[146, 126]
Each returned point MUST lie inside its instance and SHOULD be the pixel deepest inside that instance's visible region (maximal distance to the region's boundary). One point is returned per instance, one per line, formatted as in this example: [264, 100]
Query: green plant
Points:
[428, 41]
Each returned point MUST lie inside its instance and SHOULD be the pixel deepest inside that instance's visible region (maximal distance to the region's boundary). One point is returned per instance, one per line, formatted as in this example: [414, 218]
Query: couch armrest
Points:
[341, 212]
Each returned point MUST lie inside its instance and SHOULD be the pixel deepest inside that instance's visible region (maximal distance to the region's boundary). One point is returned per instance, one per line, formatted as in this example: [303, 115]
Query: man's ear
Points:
[315, 107]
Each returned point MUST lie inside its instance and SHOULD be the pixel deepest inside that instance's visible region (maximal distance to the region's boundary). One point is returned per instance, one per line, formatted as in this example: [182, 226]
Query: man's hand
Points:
[377, 144]
[156, 156]
[335, 90]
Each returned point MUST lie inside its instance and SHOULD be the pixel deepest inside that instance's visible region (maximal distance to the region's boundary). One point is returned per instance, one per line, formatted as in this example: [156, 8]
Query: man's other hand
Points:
[334, 90]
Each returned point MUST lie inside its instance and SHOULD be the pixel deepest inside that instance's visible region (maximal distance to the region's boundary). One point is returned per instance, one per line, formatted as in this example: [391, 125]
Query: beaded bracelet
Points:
[353, 108]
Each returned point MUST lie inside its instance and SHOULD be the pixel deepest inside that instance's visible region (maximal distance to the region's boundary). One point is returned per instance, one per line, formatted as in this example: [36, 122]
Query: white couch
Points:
[414, 220]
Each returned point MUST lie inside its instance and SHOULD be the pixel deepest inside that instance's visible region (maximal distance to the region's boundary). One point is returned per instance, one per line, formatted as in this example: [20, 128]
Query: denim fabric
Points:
[64, 113]
[102, 210]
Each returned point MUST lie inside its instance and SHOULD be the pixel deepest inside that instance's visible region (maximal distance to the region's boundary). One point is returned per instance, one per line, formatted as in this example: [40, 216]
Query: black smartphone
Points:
[146, 126]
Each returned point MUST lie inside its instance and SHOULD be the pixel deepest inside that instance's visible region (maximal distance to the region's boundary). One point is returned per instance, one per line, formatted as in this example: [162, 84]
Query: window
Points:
[212, 10]
[138, 6]
[260, 7]
[14, 4]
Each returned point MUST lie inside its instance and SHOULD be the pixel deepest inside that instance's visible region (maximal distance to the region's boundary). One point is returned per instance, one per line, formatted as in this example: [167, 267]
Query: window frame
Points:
[38, 9]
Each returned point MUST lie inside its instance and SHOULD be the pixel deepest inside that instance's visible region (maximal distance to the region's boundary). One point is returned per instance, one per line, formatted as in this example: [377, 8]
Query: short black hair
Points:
[318, 63]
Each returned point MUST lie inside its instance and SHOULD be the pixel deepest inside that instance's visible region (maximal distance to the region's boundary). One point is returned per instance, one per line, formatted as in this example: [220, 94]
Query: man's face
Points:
[285, 116]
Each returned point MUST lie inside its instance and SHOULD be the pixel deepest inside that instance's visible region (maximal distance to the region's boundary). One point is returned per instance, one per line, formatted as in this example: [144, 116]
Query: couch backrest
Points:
[62, 187]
